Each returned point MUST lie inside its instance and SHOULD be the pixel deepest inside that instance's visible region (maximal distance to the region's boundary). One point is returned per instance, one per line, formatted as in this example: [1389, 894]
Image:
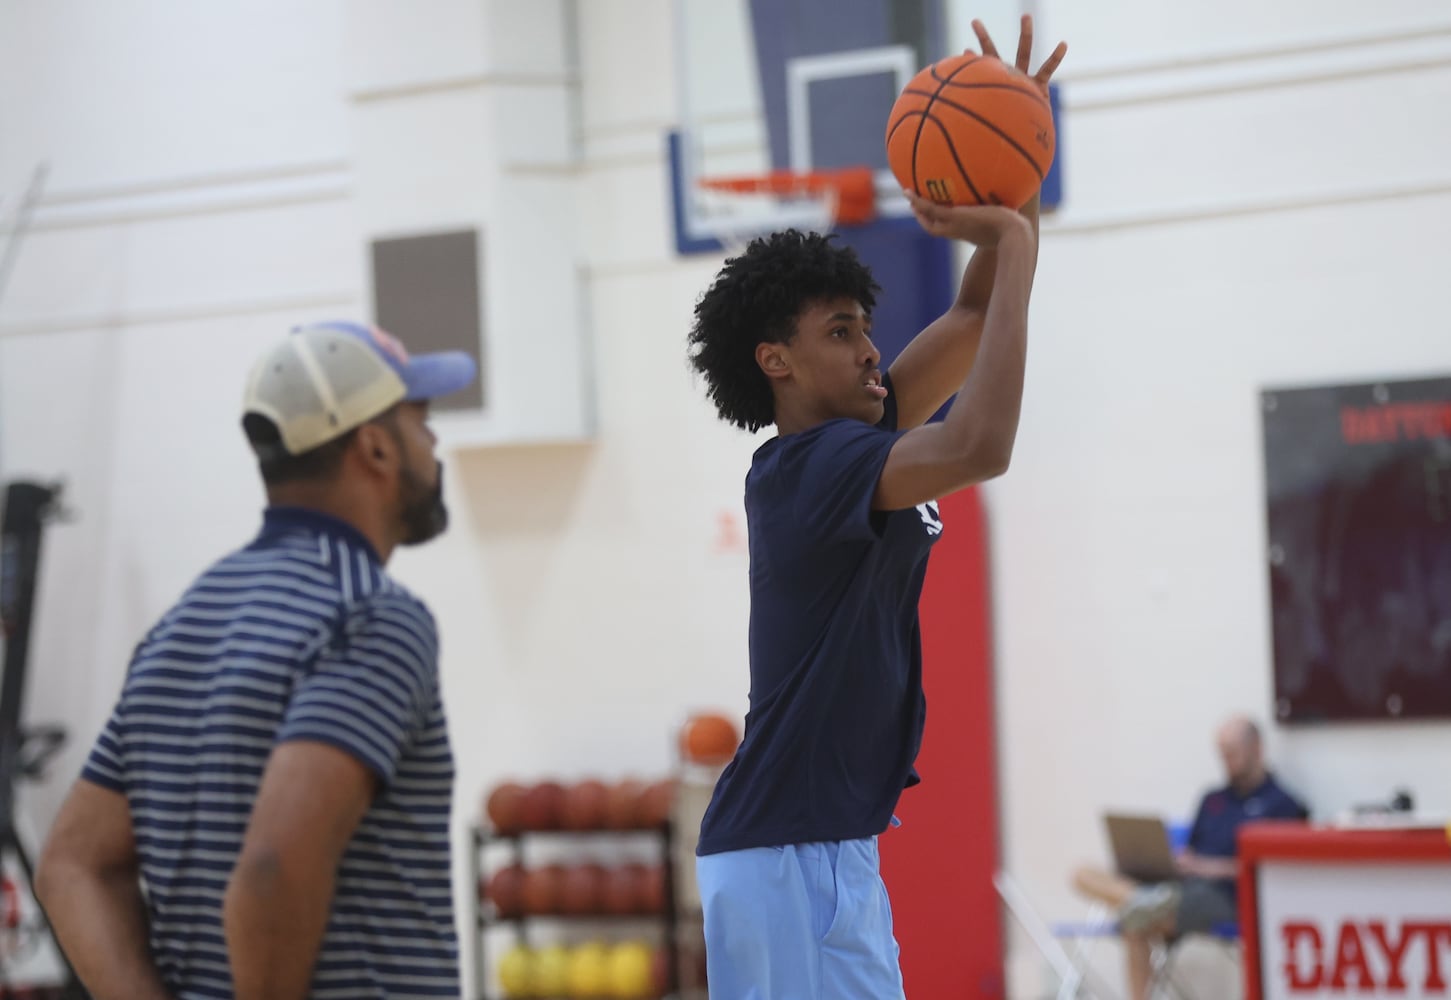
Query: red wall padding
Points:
[938, 864]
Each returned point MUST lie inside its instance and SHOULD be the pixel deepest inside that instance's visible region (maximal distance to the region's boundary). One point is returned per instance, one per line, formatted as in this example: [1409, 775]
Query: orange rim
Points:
[855, 188]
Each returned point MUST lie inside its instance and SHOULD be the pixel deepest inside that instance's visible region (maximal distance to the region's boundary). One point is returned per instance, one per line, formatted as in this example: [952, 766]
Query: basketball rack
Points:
[746, 206]
[25, 751]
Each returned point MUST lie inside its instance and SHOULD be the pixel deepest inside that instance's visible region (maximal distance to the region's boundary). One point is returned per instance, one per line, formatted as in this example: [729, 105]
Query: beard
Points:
[424, 514]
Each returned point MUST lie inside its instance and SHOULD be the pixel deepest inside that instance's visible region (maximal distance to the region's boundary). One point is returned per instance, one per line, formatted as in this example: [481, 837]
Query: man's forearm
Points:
[989, 402]
[275, 920]
[100, 923]
[1208, 866]
[1220, 867]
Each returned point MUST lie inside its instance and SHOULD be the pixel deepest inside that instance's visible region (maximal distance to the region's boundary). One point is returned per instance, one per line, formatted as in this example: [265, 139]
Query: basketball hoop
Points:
[748, 206]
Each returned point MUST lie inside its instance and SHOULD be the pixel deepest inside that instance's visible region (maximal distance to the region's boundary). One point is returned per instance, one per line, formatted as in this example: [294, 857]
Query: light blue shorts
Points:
[801, 922]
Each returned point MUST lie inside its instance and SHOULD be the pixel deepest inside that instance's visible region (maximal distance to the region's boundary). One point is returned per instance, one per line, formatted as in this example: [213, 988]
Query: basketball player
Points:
[842, 512]
[277, 770]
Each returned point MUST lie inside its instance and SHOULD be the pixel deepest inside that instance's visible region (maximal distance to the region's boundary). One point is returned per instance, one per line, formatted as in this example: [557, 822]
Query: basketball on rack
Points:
[622, 804]
[971, 130]
[625, 888]
[630, 975]
[589, 970]
[506, 889]
[549, 972]
[505, 807]
[651, 890]
[543, 889]
[660, 971]
[583, 889]
[584, 805]
[514, 972]
[655, 804]
[541, 806]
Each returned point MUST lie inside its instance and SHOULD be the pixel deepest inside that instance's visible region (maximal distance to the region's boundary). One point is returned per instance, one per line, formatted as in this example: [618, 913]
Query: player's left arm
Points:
[932, 367]
[88, 883]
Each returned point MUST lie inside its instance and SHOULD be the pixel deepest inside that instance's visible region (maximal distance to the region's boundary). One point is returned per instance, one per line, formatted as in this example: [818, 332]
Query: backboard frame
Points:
[696, 230]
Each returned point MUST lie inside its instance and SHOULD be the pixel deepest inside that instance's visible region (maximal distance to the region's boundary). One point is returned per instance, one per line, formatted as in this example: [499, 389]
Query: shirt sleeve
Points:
[105, 766]
[368, 692]
[839, 475]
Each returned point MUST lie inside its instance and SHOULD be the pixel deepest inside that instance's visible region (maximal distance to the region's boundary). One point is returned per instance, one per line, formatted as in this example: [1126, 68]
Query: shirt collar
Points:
[277, 520]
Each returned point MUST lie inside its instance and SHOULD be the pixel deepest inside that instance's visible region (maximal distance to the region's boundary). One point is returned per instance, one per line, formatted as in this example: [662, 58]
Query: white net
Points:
[738, 217]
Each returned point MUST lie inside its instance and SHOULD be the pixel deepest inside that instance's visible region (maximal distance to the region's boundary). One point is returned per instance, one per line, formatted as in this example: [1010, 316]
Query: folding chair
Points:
[1071, 969]
[1072, 966]
[1162, 956]
[1100, 924]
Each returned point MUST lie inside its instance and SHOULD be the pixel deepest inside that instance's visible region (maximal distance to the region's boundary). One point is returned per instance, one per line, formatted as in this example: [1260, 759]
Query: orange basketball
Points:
[506, 890]
[541, 806]
[652, 889]
[623, 804]
[505, 807]
[625, 888]
[655, 804]
[583, 889]
[709, 738]
[585, 804]
[543, 889]
[971, 130]
[660, 971]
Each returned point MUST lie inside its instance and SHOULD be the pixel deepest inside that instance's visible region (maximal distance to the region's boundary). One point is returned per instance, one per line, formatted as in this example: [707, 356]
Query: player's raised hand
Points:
[1023, 62]
[980, 225]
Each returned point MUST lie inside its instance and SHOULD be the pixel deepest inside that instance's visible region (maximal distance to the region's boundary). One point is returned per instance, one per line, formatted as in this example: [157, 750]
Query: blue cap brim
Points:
[429, 376]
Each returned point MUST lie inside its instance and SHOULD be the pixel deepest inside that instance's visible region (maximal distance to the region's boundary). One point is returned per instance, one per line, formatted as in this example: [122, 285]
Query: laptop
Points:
[1140, 846]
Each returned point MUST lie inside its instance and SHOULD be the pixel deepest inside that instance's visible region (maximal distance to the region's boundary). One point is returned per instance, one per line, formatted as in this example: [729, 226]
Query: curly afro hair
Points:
[756, 298]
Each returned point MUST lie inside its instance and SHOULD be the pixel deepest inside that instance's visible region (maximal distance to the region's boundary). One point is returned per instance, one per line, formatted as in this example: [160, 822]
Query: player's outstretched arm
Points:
[975, 440]
[930, 368]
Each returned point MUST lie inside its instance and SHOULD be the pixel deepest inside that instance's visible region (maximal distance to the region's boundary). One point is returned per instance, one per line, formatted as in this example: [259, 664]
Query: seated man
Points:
[1204, 897]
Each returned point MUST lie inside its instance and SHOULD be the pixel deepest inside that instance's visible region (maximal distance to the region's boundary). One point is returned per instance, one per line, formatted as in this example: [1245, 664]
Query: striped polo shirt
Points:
[299, 636]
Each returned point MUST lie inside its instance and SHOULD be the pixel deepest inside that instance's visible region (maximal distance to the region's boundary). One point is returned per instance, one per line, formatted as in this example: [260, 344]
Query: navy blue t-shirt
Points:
[836, 703]
[1223, 810]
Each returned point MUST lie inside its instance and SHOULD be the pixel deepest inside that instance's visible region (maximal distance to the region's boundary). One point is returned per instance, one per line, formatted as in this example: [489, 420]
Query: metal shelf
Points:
[669, 918]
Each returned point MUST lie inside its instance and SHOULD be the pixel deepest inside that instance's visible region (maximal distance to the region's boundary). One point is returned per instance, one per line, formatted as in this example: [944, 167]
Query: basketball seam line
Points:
[933, 68]
[926, 114]
[1036, 97]
[916, 142]
[951, 148]
[902, 121]
[985, 124]
[945, 79]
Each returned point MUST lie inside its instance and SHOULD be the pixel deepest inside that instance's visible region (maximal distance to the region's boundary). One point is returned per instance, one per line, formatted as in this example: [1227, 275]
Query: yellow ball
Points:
[515, 970]
[550, 971]
[631, 972]
[589, 971]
